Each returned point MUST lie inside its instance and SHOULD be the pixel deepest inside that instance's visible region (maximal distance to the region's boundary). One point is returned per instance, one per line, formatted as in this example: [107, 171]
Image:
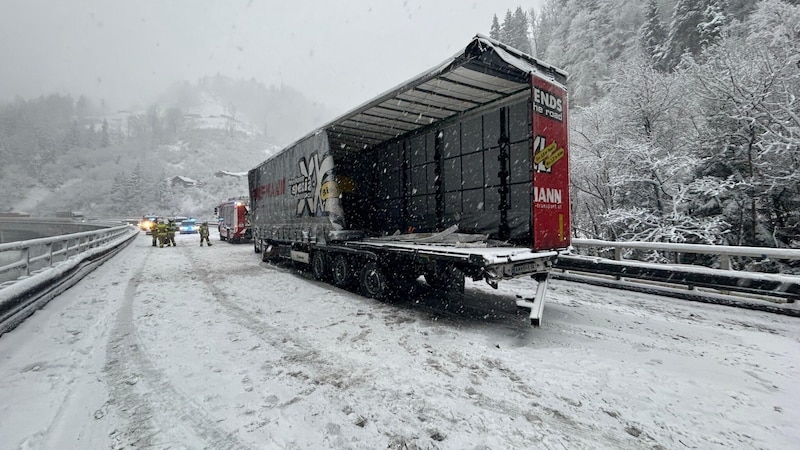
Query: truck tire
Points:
[372, 281]
[342, 272]
[319, 265]
[268, 253]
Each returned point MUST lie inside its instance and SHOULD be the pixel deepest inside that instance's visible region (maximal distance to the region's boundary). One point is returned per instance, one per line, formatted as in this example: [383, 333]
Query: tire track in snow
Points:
[141, 392]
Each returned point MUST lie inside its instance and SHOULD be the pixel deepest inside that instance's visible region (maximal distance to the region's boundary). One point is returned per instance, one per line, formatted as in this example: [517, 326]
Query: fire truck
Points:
[233, 217]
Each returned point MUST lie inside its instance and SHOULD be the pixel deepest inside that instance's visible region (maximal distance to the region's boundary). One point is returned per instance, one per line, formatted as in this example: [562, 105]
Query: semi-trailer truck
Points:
[462, 171]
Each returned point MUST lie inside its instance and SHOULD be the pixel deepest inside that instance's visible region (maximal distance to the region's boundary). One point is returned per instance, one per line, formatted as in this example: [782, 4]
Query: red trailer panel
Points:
[551, 222]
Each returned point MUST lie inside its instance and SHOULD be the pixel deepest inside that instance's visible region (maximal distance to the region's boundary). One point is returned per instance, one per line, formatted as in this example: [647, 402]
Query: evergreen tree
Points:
[73, 137]
[494, 32]
[173, 121]
[519, 35]
[163, 193]
[695, 25]
[90, 136]
[104, 137]
[714, 19]
[138, 190]
[83, 107]
[548, 30]
[118, 194]
[652, 34]
[515, 30]
[506, 29]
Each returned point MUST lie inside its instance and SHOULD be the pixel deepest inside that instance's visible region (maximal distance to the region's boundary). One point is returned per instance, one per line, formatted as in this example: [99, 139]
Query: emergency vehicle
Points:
[233, 218]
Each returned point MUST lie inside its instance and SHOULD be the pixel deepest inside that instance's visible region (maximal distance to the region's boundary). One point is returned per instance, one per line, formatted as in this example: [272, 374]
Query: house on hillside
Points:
[225, 173]
[184, 182]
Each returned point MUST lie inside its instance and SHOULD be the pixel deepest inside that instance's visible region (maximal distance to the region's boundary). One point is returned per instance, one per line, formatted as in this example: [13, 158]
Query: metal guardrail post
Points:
[26, 256]
[50, 255]
[725, 262]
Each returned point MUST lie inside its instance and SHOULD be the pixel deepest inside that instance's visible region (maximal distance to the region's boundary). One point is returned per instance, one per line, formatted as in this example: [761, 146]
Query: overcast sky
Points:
[340, 53]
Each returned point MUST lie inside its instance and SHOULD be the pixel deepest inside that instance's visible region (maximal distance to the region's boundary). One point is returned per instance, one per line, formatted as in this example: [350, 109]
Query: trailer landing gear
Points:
[537, 305]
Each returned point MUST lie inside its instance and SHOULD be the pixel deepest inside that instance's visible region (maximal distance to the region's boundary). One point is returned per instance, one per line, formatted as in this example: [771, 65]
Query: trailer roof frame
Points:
[484, 72]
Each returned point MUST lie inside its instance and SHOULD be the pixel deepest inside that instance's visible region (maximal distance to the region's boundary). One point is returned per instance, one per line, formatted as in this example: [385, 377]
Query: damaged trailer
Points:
[460, 172]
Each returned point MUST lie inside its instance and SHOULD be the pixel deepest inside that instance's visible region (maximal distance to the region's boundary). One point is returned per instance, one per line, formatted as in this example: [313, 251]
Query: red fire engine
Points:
[233, 218]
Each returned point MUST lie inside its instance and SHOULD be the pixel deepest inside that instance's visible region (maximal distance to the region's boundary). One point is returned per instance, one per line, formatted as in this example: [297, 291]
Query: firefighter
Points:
[172, 227]
[154, 232]
[204, 234]
[161, 229]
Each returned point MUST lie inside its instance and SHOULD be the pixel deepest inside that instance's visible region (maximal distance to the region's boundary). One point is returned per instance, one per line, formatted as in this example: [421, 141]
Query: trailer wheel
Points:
[342, 272]
[319, 266]
[373, 281]
[268, 254]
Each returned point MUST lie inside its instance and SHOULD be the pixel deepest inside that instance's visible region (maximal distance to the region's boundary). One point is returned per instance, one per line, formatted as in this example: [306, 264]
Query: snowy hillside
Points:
[213, 113]
[132, 162]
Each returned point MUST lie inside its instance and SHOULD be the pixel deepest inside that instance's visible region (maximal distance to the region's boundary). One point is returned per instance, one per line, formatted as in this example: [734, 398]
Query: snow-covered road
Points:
[192, 347]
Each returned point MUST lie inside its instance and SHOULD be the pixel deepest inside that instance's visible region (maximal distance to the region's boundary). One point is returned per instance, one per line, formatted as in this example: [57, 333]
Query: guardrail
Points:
[776, 287]
[18, 259]
[37, 270]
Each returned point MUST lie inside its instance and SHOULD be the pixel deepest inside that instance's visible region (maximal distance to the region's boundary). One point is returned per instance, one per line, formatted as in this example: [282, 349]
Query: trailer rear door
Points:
[551, 222]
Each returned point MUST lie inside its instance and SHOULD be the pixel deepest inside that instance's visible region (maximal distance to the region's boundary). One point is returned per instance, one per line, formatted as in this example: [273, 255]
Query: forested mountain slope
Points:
[685, 117]
[60, 154]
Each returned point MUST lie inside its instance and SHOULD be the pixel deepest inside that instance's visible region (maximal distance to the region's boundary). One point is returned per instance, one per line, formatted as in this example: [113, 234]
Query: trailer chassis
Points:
[383, 269]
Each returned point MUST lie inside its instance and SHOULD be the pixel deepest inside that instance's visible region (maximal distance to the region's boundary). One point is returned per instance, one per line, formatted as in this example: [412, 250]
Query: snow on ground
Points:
[192, 347]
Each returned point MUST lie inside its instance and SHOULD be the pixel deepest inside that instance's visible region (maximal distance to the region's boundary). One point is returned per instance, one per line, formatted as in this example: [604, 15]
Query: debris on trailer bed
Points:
[450, 236]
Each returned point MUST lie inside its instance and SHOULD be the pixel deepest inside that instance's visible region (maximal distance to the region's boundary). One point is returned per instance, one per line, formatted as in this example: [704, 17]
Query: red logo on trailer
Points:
[551, 223]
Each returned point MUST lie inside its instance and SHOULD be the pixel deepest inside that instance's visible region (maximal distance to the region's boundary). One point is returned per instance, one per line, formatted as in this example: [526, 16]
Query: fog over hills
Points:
[180, 156]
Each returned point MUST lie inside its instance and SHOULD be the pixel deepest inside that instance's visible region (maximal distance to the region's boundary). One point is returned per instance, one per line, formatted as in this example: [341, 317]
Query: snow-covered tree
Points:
[748, 89]
[494, 31]
[105, 139]
[505, 29]
[652, 33]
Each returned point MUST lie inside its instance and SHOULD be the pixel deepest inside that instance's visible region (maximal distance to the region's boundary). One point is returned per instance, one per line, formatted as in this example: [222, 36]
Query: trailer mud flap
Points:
[537, 305]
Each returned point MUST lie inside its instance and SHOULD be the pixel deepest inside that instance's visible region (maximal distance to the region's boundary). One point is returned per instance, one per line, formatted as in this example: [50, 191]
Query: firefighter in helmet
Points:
[172, 227]
[154, 231]
[204, 234]
[161, 229]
